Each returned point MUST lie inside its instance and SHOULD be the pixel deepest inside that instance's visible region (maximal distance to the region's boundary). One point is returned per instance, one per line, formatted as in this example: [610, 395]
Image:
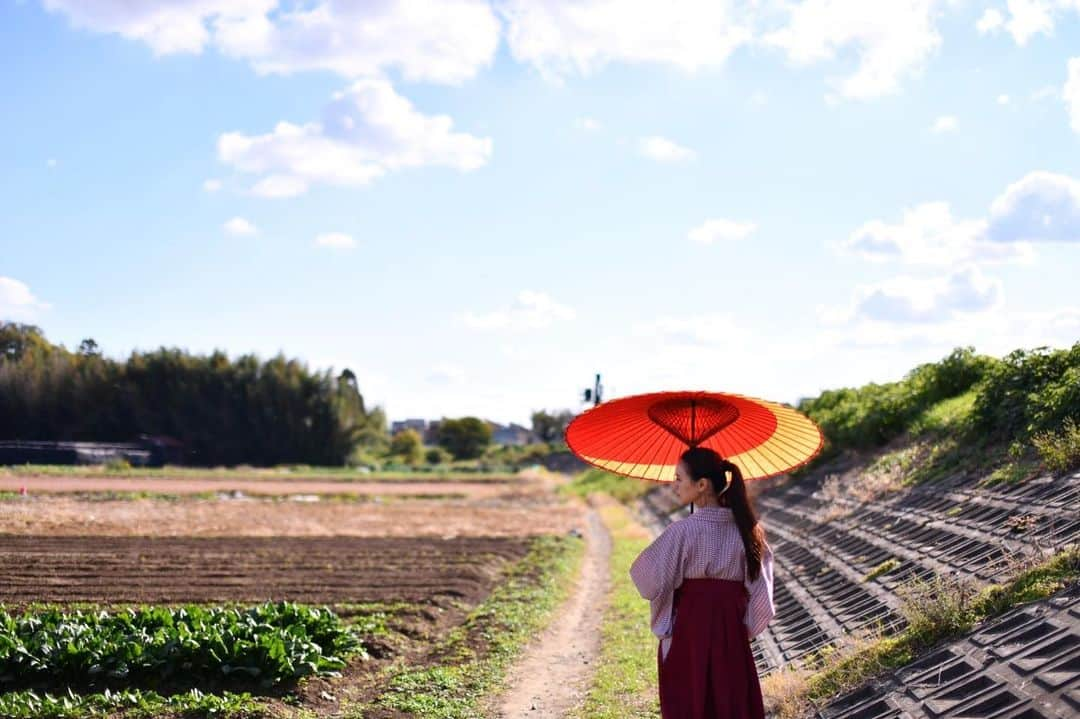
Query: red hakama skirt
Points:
[709, 672]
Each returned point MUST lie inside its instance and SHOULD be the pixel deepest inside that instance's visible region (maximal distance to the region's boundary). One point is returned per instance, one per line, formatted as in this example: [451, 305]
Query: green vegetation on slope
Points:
[964, 413]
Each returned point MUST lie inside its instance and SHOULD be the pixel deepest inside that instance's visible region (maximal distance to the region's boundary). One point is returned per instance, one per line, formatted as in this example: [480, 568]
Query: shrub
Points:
[407, 446]
[939, 608]
[1029, 391]
[437, 455]
[1059, 451]
[873, 414]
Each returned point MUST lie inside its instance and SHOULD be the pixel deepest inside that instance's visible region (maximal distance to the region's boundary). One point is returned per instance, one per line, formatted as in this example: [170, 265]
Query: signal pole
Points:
[595, 395]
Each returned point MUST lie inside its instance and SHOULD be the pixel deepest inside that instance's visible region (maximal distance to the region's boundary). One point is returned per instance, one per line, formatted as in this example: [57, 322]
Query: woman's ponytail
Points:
[727, 481]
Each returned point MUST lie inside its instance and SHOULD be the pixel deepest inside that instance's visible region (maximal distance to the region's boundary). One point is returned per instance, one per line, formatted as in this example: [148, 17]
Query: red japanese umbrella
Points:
[642, 436]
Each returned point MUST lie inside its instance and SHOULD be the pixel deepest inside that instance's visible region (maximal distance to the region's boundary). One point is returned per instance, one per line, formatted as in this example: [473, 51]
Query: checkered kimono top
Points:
[706, 544]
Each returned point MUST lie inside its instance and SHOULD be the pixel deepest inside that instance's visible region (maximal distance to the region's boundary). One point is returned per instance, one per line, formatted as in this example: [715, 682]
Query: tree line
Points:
[225, 412]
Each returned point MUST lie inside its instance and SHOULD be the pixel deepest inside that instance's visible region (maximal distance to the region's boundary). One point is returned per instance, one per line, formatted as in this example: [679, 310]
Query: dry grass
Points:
[841, 492]
[784, 692]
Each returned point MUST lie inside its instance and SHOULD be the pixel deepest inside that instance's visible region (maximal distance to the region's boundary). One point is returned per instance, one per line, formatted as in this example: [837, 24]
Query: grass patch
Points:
[947, 416]
[1059, 451]
[597, 481]
[884, 568]
[624, 684]
[472, 661]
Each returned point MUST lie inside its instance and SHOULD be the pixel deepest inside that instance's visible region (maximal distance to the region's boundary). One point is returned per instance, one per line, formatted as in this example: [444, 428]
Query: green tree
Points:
[550, 426]
[407, 445]
[437, 455]
[228, 412]
[465, 438]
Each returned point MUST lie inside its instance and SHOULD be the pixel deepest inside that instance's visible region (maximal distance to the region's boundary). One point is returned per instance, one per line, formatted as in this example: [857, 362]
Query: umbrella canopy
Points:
[642, 436]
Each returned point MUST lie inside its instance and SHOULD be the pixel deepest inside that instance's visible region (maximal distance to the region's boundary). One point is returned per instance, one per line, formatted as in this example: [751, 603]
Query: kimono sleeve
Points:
[658, 569]
[760, 608]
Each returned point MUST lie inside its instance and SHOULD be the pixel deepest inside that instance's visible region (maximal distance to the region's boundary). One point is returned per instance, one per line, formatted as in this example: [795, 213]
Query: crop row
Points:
[267, 644]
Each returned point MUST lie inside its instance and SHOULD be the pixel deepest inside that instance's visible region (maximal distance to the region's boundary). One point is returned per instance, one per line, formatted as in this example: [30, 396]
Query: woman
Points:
[709, 580]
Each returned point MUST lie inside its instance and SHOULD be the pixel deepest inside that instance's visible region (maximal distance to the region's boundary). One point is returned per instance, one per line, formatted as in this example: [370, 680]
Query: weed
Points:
[1059, 451]
[937, 608]
[784, 692]
[884, 568]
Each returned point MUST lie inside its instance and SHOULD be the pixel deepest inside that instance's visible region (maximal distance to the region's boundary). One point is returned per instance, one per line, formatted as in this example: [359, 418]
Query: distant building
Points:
[513, 434]
[420, 425]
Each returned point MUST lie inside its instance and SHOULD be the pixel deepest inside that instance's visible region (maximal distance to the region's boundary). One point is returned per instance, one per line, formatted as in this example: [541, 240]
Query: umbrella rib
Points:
[748, 458]
[614, 440]
[599, 431]
[632, 451]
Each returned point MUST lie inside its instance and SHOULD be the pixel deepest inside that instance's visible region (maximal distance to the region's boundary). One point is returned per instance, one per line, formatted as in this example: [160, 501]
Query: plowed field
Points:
[307, 569]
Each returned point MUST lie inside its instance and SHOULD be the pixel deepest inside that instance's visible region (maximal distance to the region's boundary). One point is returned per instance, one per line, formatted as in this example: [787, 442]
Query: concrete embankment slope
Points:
[841, 561]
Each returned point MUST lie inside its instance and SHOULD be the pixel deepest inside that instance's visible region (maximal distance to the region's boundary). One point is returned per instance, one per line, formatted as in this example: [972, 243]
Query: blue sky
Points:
[478, 205]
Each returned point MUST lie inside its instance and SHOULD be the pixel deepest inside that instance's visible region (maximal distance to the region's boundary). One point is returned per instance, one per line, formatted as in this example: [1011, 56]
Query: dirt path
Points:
[552, 676]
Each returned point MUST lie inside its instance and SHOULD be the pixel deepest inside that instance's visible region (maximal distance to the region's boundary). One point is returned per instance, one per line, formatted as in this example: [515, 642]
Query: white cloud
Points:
[211, 185]
[436, 40]
[929, 235]
[662, 149]
[990, 21]
[366, 131]
[1027, 18]
[892, 40]
[1048, 92]
[336, 241]
[1003, 99]
[923, 299]
[1071, 93]
[588, 124]
[1040, 207]
[562, 38]
[721, 230]
[239, 227]
[995, 333]
[17, 302]
[167, 26]
[715, 330]
[51, 163]
[945, 123]
[280, 186]
[531, 310]
[446, 41]
[759, 99]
